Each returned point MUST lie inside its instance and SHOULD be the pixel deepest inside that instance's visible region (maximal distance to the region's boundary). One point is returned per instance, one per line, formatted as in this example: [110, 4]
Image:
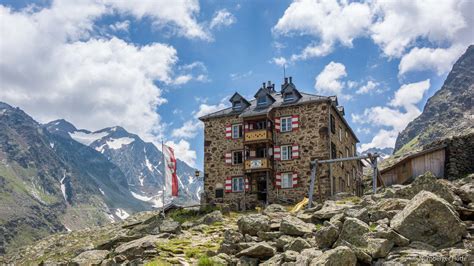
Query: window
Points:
[333, 124]
[261, 152]
[348, 177]
[237, 157]
[237, 184]
[353, 150]
[333, 151]
[285, 124]
[340, 156]
[286, 152]
[347, 152]
[219, 192]
[340, 133]
[286, 180]
[261, 124]
[262, 100]
[237, 105]
[288, 97]
[237, 131]
[346, 133]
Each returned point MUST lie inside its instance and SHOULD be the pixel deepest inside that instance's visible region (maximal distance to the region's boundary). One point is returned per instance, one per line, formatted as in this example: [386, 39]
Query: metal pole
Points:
[314, 166]
[164, 178]
[374, 179]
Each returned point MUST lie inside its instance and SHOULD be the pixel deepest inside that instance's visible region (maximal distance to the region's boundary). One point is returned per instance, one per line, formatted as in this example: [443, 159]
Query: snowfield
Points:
[86, 138]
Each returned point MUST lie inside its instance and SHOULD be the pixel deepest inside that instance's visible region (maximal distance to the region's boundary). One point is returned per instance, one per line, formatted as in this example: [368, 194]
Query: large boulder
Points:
[137, 247]
[260, 250]
[253, 223]
[170, 226]
[336, 256]
[430, 219]
[91, 257]
[353, 231]
[329, 209]
[427, 182]
[326, 235]
[295, 227]
[213, 217]
[307, 255]
[298, 244]
[230, 243]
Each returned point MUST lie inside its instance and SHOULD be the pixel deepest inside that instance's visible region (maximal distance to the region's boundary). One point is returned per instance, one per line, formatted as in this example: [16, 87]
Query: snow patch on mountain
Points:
[122, 214]
[156, 201]
[63, 187]
[85, 137]
[116, 144]
[101, 191]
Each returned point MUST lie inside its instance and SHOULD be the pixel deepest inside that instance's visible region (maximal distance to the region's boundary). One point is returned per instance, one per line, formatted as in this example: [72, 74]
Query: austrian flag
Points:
[171, 179]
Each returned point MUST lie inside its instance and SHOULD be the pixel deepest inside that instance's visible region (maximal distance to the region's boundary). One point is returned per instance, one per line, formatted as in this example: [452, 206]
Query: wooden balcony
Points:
[257, 164]
[258, 135]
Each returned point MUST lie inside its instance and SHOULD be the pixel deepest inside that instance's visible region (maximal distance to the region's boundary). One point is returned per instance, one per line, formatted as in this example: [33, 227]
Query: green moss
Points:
[157, 262]
[319, 226]
[206, 261]
[373, 227]
[183, 215]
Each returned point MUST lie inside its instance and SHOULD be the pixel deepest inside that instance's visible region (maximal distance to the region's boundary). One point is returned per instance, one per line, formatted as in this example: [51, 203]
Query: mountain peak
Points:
[448, 112]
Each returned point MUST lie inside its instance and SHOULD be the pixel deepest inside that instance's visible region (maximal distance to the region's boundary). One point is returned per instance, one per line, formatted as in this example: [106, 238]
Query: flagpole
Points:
[164, 177]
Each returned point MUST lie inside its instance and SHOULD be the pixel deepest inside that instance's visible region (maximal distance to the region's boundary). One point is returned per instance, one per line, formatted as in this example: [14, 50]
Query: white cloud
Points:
[437, 59]
[370, 86]
[222, 18]
[236, 76]
[188, 130]
[383, 139]
[280, 61]
[392, 117]
[183, 151]
[331, 22]
[53, 57]
[182, 79]
[121, 26]
[329, 80]
[205, 109]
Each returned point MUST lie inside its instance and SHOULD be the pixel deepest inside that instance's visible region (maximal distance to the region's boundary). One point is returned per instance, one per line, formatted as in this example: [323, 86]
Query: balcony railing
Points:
[258, 135]
[257, 164]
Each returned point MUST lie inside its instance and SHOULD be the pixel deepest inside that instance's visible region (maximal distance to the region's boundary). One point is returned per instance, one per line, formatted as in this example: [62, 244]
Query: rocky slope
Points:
[50, 184]
[449, 112]
[141, 162]
[429, 221]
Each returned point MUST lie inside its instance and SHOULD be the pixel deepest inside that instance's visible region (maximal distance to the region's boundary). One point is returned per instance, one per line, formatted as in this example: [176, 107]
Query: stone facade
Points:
[312, 137]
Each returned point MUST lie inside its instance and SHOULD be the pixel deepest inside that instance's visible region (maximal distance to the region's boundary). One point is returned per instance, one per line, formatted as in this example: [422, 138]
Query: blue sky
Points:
[154, 66]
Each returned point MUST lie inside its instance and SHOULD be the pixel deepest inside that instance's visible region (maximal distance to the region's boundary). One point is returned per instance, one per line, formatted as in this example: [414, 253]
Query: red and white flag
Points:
[171, 178]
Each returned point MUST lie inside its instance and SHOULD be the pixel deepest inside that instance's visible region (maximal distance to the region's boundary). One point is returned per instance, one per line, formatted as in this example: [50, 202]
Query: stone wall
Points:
[459, 155]
[342, 172]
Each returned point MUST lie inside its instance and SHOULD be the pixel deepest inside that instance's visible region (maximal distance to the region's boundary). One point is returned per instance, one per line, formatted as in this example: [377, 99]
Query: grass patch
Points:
[206, 261]
[319, 226]
[183, 215]
[355, 200]
[373, 227]
[157, 262]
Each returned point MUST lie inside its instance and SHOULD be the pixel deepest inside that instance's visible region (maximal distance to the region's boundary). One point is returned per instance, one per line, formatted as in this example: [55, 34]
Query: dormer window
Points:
[288, 97]
[261, 101]
[237, 105]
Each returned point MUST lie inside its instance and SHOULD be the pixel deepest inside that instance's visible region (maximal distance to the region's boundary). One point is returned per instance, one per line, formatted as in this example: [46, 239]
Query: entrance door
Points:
[262, 189]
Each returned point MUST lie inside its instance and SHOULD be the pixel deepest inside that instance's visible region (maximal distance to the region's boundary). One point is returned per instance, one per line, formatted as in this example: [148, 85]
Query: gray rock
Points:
[290, 255]
[260, 250]
[430, 219]
[170, 226]
[329, 209]
[265, 236]
[361, 214]
[282, 241]
[135, 248]
[383, 231]
[413, 256]
[353, 231]
[337, 256]
[247, 261]
[274, 208]
[427, 182]
[253, 223]
[91, 257]
[307, 255]
[295, 227]
[326, 235]
[298, 244]
[379, 247]
[213, 217]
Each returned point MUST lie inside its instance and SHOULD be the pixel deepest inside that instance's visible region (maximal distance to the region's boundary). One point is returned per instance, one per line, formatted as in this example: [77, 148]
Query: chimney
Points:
[286, 80]
[291, 80]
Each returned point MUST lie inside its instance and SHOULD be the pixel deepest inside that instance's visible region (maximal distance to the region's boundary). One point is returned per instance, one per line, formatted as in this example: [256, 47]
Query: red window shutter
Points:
[228, 158]
[228, 184]
[295, 179]
[278, 180]
[228, 131]
[247, 185]
[277, 153]
[277, 124]
[295, 151]
[295, 122]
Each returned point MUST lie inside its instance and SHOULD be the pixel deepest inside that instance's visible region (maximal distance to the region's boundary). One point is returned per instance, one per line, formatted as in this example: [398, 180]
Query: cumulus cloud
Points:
[369, 87]
[183, 151]
[222, 18]
[329, 80]
[121, 26]
[188, 130]
[280, 61]
[425, 35]
[331, 22]
[55, 65]
[395, 116]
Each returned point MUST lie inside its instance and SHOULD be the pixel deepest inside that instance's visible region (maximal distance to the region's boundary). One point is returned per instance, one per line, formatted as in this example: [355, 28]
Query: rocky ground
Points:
[427, 222]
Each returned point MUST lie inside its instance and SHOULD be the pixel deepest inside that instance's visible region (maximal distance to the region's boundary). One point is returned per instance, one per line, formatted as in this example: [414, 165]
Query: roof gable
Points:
[239, 103]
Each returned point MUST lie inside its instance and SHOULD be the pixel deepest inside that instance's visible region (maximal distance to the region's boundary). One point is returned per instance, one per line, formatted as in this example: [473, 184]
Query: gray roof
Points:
[253, 110]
